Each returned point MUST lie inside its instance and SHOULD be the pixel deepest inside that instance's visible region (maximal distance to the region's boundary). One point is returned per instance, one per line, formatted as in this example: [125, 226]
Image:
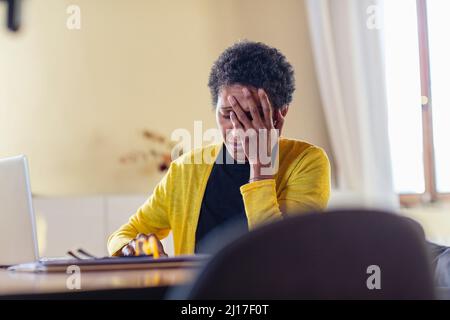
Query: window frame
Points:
[431, 193]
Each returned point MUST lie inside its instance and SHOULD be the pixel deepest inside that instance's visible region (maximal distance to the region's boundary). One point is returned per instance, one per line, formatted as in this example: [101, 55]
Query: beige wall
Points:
[75, 101]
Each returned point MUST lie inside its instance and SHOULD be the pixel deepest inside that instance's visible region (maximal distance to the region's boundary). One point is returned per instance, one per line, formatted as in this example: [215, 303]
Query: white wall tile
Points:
[84, 222]
[70, 223]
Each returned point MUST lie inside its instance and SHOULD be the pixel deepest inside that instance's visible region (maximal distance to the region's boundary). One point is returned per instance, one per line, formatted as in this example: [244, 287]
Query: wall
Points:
[59, 222]
[75, 101]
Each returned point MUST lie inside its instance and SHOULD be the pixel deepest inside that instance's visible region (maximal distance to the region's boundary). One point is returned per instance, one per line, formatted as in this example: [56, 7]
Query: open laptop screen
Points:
[17, 221]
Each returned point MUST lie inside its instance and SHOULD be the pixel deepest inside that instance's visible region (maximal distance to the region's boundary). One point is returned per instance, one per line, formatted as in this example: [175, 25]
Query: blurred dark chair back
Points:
[340, 254]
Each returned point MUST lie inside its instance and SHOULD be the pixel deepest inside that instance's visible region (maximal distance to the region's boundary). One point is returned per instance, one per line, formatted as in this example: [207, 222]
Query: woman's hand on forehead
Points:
[256, 130]
[246, 93]
[252, 109]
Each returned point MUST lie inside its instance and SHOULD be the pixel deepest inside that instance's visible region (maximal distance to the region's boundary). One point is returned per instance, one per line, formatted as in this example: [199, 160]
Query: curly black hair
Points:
[254, 64]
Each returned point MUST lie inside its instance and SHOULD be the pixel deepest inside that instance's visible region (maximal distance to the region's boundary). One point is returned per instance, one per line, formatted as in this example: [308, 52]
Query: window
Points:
[417, 71]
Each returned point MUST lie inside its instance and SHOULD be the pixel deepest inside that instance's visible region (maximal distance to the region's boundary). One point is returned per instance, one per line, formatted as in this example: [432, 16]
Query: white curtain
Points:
[347, 45]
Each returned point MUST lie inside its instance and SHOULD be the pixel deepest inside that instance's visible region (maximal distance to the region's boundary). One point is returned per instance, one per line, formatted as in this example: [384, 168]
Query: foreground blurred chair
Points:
[341, 254]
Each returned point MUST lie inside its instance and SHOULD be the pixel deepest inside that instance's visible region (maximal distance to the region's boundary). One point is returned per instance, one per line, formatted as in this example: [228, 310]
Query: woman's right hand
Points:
[136, 246]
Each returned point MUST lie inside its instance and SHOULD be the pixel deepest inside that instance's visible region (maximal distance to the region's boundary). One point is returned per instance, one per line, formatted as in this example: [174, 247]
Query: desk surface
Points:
[17, 283]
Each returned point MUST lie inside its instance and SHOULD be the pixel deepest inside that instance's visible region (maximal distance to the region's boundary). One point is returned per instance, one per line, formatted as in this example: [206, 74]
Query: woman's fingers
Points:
[140, 246]
[280, 120]
[267, 108]
[141, 236]
[159, 248]
[240, 114]
[128, 251]
[235, 121]
[251, 104]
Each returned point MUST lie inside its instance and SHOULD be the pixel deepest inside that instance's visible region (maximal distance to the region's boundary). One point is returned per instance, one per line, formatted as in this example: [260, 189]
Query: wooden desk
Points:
[23, 283]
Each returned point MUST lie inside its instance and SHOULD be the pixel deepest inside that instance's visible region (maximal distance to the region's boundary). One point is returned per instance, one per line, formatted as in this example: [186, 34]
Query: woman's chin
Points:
[237, 153]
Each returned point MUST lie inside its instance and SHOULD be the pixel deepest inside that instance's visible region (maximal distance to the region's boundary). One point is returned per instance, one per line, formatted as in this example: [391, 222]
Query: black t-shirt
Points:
[222, 200]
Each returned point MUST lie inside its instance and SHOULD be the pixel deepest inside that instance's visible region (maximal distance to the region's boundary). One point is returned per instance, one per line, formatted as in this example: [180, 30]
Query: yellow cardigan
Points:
[301, 184]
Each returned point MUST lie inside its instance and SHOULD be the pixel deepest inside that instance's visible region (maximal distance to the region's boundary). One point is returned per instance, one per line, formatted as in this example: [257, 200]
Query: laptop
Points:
[17, 220]
[18, 239]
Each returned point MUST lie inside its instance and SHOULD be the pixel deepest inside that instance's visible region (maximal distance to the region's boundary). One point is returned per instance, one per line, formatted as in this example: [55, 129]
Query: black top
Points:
[222, 200]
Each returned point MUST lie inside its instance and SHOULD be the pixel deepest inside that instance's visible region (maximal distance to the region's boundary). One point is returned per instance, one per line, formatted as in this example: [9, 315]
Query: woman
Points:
[269, 176]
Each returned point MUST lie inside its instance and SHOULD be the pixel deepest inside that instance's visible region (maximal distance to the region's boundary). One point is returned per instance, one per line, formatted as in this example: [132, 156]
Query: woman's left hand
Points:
[258, 134]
